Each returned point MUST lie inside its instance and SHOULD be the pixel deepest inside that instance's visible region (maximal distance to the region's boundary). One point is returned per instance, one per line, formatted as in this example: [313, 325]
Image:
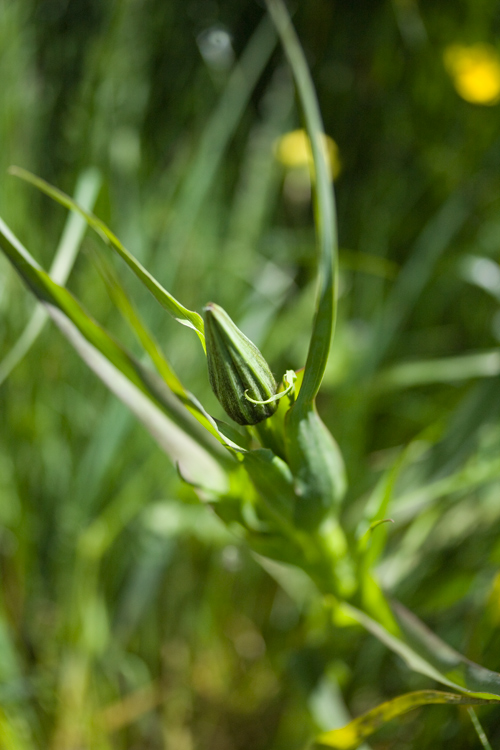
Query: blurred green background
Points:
[129, 617]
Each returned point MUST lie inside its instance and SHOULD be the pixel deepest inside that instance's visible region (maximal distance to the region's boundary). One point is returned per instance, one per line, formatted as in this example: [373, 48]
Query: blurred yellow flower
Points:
[475, 71]
[293, 150]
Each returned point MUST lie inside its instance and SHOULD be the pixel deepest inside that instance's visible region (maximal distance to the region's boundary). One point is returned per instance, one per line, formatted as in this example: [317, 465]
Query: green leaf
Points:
[324, 209]
[311, 451]
[179, 312]
[171, 426]
[274, 482]
[316, 464]
[352, 735]
[445, 370]
[153, 349]
[74, 230]
[463, 672]
[425, 653]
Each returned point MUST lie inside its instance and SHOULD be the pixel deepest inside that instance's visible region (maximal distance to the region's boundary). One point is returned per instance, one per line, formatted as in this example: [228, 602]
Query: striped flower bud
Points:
[237, 370]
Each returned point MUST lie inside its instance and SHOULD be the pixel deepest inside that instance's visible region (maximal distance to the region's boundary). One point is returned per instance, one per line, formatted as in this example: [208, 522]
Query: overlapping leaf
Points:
[352, 735]
[187, 317]
[143, 392]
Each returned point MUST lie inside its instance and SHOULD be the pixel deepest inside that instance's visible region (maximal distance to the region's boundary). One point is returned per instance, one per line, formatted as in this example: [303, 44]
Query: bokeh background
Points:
[129, 616]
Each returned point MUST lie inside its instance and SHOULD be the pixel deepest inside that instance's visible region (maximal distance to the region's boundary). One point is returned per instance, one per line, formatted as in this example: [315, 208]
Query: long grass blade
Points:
[445, 370]
[173, 429]
[85, 194]
[433, 661]
[479, 729]
[465, 673]
[187, 317]
[324, 209]
[351, 736]
[216, 137]
[152, 348]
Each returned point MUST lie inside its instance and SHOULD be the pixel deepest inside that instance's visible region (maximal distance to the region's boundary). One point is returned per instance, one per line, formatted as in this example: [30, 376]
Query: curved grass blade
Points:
[312, 453]
[86, 193]
[187, 317]
[324, 209]
[451, 663]
[215, 138]
[479, 729]
[457, 673]
[327, 705]
[153, 349]
[197, 465]
[174, 430]
[352, 735]
[432, 242]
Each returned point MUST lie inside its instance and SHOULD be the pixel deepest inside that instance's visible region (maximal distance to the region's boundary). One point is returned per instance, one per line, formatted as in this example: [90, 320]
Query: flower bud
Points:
[237, 369]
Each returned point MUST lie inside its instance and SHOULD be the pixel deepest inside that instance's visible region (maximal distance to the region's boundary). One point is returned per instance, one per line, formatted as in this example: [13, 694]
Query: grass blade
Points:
[324, 209]
[86, 193]
[351, 736]
[153, 349]
[187, 317]
[434, 661]
[216, 136]
[313, 454]
[465, 673]
[172, 428]
[479, 729]
[445, 370]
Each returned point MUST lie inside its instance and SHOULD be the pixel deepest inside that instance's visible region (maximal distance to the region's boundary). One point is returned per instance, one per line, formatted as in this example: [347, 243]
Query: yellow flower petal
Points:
[475, 71]
[293, 150]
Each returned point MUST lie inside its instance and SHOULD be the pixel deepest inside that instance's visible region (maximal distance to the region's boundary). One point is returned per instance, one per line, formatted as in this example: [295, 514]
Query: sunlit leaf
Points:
[65, 256]
[179, 312]
[427, 654]
[463, 672]
[165, 419]
[324, 209]
[153, 349]
[352, 735]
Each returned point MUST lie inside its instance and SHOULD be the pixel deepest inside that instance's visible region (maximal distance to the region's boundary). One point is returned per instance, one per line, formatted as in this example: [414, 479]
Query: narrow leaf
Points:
[312, 453]
[446, 370]
[351, 736]
[153, 349]
[64, 259]
[179, 312]
[479, 729]
[485, 685]
[324, 208]
[153, 404]
[451, 663]
[197, 465]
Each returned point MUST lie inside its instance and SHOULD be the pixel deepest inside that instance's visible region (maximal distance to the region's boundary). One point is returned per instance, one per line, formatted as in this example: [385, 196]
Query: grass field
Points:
[131, 616]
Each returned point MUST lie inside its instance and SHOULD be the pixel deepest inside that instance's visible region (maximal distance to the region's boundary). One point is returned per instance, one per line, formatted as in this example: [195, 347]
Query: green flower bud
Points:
[237, 370]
